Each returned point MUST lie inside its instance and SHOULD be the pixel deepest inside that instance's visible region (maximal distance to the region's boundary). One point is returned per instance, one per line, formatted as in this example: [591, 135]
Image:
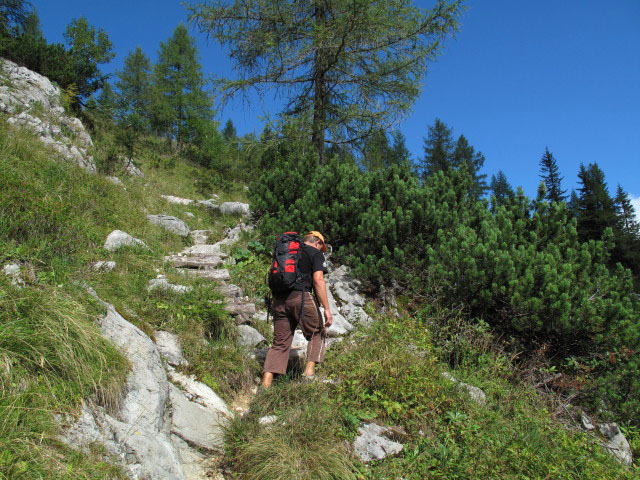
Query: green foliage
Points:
[352, 68]
[501, 191]
[390, 374]
[134, 89]
[88, 47]
[522, 269]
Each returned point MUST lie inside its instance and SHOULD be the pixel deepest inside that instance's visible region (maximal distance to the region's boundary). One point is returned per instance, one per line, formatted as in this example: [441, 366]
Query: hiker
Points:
[298, 308]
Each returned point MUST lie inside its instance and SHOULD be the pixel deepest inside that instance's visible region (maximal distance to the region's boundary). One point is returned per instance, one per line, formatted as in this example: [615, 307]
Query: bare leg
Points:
[310, 369]
[267, 378]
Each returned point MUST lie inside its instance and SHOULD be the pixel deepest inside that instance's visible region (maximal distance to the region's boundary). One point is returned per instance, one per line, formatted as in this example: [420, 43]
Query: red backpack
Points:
[284, 275]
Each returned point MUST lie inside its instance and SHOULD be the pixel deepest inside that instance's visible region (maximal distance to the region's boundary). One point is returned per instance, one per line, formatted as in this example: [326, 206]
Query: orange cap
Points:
[318, 235]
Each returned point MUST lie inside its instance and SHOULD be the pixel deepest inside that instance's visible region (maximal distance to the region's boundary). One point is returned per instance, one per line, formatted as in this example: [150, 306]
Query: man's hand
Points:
[328, 319]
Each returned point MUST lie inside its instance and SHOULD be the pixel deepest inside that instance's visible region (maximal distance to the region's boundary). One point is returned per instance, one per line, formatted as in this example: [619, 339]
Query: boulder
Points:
[347, 294]
[211, 204]
[177, 200]
[195, 424]
[230, 291]
[235, 208]
[115, 181]
[373, 443]
[12, 270]
[161, 283]
[617, 445]
[268, 420]
[249, 336]
[170, 223]
[202, 262]
[247, 308]
[476, 394]
[169, 347]
[118, 239]
[103, 266]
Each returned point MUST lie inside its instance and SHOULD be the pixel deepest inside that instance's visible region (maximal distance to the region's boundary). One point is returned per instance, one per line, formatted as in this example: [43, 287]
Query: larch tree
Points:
[351, 67]
[88, 48]
[181, 106]
[550, 174]
[134, 89]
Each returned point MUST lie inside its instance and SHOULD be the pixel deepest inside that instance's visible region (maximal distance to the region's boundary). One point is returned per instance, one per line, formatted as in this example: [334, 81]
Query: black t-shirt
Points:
[311, 260]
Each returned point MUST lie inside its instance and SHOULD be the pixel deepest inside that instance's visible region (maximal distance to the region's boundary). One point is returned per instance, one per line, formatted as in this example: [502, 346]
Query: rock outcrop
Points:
[33, 102]
[118, 239]
[158, 429]
[373, 443]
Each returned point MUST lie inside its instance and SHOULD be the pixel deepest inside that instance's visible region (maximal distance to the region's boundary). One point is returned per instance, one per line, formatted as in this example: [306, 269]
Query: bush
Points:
[522, 269]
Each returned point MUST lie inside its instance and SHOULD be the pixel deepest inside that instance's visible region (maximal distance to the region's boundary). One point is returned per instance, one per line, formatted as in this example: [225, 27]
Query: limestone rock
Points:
[177, 200]
[161, 283]
[115, 181]
[355, 314]
[198, 262]
[586, 422]
[217, 275]
[241, 308]
[103, 266]
[118, 239]
[200, 393]
[268, 420]
[347, 294]
[235, 208]
[230, 291]
[476, 394]
[372, 443]
[189, 215]
[617, 445]
[211, 204]
[249, 336]
[169, 347]
[170, 223]
[12, 270]
[200, 237]
[138, 437]
[33, 102]
[196, 424]
[130, 167]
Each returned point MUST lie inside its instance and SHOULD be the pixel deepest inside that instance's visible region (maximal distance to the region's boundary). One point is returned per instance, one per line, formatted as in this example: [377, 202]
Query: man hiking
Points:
[298, 308]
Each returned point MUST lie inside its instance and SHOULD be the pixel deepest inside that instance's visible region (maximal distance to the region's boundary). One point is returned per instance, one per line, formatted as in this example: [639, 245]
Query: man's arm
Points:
[320, 287]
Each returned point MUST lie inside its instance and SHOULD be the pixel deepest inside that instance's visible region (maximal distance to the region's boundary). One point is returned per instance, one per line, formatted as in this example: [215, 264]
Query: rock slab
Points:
[118, 239]
[170, 223]
[373, 443]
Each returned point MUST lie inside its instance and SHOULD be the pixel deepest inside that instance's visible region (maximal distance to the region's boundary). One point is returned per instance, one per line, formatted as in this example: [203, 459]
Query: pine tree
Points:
[626, 213]
[376, 152]
[107, 101]
[550, 174]
[181, 107]
[627, 250]
[464, 155]
[229, 132]
[437, 149]
[399, 152]
[134, 88]
[501, 190]
[595, 209]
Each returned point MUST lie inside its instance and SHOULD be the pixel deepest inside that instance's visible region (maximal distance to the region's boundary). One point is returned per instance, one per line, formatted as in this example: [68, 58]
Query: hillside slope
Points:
[58, 374]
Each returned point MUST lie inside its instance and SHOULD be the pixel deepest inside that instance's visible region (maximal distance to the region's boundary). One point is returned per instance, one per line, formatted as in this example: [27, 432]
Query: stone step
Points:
[205, 262]
[203, 250]
[215, 275]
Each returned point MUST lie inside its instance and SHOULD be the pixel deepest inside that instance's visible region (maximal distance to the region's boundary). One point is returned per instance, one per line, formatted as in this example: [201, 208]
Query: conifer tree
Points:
[351, 68]
[376, 151]
[13, 13]
[181, 107]
[627, 250]
[626, 213]
[595, 208]
[134, 88]
[437, 149]
[89, 47]
[229, 132]
[550, 174]
[464, 155]
[107, 101]
[399, 152]
[501, 190]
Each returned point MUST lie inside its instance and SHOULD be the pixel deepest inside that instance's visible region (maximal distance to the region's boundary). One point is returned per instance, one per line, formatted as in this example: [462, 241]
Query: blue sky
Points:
[518, 77]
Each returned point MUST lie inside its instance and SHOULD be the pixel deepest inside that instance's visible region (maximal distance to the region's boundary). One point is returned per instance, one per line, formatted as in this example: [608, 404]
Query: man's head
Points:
[315, 239]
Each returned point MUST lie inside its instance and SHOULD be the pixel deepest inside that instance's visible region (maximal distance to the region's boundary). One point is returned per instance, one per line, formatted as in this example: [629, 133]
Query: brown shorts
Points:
[286, 312]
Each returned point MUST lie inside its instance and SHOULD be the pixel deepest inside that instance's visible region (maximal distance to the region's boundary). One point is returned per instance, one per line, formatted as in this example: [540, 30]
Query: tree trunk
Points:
[320, 99]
